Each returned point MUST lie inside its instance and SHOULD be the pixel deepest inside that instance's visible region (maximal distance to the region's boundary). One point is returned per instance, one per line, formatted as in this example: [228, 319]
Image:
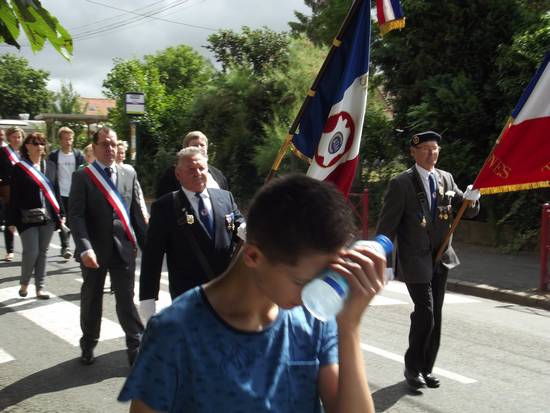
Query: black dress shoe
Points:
[414, 379]
[431, 380]
[87, 357]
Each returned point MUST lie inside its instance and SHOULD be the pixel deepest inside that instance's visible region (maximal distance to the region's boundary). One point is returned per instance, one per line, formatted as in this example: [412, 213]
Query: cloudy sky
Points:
[104, 29]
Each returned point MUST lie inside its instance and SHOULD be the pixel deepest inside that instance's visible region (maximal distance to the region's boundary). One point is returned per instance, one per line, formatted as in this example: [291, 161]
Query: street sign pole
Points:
[135, 106]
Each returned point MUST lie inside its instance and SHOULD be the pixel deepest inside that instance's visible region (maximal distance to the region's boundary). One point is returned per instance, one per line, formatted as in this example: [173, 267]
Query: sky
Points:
[102, 33]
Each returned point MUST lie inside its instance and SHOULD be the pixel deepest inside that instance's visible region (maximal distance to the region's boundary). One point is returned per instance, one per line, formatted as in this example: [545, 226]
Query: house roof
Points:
[96, 106]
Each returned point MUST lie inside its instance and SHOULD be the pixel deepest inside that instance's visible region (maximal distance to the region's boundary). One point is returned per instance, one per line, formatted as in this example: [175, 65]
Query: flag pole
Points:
[466, 203]
[313, 90]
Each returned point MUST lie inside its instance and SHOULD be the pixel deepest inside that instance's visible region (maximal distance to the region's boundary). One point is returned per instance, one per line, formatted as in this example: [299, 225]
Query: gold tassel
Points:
[392, 25]
[299, 154]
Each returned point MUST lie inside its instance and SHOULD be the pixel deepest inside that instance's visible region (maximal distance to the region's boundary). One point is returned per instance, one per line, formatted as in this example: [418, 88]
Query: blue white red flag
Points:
[390, 15]
[330, 128]
[521, 156]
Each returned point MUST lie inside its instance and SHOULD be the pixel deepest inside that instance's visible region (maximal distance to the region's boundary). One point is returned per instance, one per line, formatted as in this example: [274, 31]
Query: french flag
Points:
[390, 15]
[330, 129]
[520, 159]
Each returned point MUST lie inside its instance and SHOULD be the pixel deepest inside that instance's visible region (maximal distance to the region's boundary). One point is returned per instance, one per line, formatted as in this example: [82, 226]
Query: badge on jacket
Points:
[230, 221]
[190, 219]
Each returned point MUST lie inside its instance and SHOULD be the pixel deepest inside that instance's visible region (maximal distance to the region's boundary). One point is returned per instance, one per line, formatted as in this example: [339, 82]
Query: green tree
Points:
[169, 79]
[258, 50]
[323, 23]
[67, 100]
[23, 89]
[37, 23]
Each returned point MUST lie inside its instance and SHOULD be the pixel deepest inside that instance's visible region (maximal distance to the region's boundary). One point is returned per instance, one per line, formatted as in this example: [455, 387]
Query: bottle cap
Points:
[385, 242]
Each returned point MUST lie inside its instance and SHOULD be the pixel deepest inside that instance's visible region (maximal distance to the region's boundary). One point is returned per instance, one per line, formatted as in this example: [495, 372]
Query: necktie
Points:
[433, 194]
[204, 216]
[108, 170]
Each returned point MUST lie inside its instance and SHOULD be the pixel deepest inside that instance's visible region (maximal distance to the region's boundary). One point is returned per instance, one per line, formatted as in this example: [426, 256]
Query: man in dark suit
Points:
[216, 179]
[417, 213]
[195, 226]
[105, 239]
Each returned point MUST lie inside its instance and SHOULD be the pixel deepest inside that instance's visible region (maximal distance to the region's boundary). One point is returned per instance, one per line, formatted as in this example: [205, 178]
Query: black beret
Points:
[425, 137]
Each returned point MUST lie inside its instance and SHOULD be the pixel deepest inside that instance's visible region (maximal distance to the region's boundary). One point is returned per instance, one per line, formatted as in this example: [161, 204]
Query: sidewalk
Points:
[486, 272]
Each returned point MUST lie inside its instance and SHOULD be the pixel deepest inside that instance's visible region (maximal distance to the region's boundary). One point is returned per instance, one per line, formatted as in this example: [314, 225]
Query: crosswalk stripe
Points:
[5, 356]
[59, 317]
[450, 298]
[437, 371]
[383, 300]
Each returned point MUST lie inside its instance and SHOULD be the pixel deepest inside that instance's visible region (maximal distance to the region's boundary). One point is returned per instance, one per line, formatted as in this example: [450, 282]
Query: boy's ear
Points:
[251, 255]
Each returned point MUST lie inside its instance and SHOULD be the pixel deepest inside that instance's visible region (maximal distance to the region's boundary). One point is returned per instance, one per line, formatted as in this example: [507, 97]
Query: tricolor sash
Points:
[12, 155]
[111, 194]
[43, 182]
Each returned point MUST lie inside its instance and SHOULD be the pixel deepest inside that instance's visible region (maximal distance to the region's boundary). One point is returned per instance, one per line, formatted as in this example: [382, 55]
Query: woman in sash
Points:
[9, 156]
[35, 210]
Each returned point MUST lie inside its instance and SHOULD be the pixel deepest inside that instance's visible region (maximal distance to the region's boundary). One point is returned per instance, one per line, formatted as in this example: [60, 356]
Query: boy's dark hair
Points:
[295, 215]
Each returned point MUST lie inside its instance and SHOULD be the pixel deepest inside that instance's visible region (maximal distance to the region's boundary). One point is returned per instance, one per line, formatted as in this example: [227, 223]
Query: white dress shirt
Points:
[424, 176]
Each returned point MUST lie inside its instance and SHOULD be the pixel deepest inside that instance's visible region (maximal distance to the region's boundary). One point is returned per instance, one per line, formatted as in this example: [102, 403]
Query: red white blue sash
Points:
[12, 155]
[43, 182]
[111, 194]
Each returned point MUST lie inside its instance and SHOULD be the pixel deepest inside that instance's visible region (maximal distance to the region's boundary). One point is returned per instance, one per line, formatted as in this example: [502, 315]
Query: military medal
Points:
[230, 223]
[190, 219]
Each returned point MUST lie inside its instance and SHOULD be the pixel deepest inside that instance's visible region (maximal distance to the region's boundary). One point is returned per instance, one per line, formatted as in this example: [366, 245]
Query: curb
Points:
[532, 298]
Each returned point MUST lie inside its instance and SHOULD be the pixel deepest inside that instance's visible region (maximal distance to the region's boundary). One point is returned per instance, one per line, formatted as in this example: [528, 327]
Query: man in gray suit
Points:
[107, 223]
[417, 213]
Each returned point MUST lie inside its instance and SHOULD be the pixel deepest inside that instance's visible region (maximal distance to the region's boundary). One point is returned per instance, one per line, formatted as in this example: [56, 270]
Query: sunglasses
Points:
[37, 143]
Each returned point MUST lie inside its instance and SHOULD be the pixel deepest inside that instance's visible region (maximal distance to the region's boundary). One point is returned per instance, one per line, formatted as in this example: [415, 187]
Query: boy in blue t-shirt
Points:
[243, 342]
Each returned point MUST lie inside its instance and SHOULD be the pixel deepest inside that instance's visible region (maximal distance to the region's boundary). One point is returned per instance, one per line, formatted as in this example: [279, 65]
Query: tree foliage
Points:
[37, 23]
[169, 79]
[22, 88]
[257, 50]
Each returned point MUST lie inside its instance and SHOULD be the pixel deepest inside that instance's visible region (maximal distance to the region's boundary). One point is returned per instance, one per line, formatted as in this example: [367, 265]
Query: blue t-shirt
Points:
[192, 361]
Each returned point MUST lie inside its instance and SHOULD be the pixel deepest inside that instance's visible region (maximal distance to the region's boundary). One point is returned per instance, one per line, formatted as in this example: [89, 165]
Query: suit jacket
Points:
[166, 236]
[94, 224]
[418, 236]
[6, 168]
[169, 183]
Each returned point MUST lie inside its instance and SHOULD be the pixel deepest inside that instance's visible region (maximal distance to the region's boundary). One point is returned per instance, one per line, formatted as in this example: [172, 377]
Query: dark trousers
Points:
[65, 236]
[8, 235]
[91, 301]
[425, 330]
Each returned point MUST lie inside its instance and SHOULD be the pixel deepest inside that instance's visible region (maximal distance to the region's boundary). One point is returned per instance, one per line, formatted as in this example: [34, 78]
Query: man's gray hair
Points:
[189, 152]
[196, 134]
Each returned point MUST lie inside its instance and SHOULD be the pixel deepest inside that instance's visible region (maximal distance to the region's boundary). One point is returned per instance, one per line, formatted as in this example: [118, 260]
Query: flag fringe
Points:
[392, 25]
[511, 188]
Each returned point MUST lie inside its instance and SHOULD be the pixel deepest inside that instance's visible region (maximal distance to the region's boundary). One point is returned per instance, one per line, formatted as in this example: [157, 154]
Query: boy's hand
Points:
[364, 271]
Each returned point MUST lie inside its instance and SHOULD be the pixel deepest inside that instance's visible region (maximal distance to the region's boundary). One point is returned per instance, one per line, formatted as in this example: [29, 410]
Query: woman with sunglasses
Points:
[35, 210]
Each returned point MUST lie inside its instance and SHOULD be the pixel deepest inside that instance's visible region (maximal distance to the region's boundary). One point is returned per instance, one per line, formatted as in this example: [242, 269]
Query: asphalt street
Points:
[493, 358]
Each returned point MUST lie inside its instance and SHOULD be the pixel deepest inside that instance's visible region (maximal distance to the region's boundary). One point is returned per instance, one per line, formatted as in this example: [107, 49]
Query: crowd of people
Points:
[236, 333]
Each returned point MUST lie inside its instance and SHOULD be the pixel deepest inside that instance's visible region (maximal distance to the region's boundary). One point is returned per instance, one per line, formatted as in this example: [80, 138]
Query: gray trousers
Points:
[36, 241]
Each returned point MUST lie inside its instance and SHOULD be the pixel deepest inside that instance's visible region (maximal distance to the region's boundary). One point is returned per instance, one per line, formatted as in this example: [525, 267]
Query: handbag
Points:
[33, 216]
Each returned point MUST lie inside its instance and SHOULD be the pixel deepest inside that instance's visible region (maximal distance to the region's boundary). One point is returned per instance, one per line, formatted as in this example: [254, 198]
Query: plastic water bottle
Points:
[324, 296]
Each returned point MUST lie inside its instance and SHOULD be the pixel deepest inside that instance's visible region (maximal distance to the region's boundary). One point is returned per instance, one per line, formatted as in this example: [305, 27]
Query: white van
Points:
[28, 126]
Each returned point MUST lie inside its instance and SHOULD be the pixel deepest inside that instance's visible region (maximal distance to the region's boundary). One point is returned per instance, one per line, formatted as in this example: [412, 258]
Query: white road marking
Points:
[450, 298]
[59, 317]
[382, 300]
[437, 371]
[4, 356]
